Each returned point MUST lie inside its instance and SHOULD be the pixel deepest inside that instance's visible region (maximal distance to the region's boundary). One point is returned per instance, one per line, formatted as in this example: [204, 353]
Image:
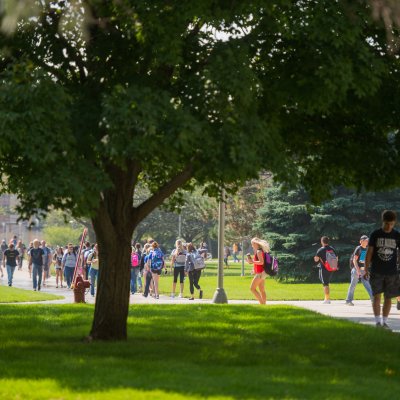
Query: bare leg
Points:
[387, 305]
[326, 293]
[253, 288]
[261, 286]
[376, 305]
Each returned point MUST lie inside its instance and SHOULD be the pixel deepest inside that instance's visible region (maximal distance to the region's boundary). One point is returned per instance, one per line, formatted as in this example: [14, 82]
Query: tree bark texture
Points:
[114, 225]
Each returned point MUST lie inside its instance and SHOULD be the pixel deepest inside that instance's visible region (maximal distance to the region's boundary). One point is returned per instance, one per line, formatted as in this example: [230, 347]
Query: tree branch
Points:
[144, 209]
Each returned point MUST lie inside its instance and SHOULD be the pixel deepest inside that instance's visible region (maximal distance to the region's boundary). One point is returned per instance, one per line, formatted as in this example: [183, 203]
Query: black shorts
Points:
[325, 276]
[389, 285]
[156, 271]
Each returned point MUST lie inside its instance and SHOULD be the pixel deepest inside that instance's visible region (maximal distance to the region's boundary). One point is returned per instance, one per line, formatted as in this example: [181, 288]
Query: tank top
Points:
[258, 269]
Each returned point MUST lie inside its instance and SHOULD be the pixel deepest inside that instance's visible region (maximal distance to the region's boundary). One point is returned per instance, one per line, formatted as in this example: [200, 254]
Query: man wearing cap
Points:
[358, 270]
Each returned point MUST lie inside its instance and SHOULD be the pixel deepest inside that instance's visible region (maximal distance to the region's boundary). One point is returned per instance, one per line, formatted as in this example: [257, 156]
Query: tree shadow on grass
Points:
[200, 351]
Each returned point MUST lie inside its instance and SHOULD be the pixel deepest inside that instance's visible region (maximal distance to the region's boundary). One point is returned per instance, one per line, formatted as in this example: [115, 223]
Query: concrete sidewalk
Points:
[360, 313]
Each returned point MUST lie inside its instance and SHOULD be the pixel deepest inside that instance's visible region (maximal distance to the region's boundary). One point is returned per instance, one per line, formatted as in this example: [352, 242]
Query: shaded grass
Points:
[14, 295]
[193, 352]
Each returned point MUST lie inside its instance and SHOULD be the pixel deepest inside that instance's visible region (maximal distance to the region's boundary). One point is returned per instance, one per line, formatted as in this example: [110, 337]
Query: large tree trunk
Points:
[114, 224]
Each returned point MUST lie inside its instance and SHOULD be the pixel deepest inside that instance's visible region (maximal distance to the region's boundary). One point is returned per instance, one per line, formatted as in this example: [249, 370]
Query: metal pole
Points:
[179, 225]
[242, 274]
[220, 295]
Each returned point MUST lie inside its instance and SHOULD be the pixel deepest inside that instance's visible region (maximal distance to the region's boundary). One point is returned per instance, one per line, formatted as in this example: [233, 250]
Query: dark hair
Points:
[325, 240]
[138, 246]
[389, 216]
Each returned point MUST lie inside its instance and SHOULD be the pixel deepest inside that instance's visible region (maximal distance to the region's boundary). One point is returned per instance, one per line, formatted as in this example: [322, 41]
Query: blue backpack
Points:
[157, 259]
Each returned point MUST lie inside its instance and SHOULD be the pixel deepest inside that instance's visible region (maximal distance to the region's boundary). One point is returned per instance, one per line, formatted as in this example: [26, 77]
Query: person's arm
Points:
[368, 259]
[260, 256]
[63, 260]
[173, 257]
[355, 263]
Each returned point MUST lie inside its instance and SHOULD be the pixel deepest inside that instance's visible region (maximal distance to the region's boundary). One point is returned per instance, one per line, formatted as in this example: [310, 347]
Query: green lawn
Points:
[14, 295]
[238, 287]
[195, 352]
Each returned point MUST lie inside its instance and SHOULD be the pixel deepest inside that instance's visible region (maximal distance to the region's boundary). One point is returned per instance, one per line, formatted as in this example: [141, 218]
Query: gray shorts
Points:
[389, 285]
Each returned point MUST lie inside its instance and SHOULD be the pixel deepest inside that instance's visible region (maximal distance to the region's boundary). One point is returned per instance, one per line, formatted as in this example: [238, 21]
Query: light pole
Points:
[220, 295]
[242, 274]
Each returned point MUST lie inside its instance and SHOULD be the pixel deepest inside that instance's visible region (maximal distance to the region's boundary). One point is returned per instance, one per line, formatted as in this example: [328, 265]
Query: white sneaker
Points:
[172, 295]
[180, 295]
[326, 302]
[349, 303]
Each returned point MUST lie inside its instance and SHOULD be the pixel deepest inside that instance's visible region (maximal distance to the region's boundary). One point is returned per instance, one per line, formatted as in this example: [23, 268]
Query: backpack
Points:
[157, 260]
[134, 259]
[331, 263]
[198, 261]
[180, 258]
[271, 266]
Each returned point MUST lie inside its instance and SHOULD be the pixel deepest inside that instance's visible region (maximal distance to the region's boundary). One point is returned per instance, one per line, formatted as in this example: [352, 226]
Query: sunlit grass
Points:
[238, 287]
[15, 295]
[195, 352]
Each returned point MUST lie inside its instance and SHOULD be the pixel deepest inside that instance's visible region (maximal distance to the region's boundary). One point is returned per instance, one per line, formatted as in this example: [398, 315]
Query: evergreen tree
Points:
[294, 227]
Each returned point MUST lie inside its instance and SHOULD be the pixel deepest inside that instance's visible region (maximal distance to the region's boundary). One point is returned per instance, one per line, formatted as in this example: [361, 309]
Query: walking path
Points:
[360, 313]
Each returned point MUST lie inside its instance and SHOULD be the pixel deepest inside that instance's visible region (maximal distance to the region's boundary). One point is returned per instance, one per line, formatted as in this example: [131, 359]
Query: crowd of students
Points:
[150, 263]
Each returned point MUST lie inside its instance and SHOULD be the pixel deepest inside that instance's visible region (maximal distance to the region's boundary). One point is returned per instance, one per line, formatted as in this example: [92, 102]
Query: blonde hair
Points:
[179, 245]
[263, 244]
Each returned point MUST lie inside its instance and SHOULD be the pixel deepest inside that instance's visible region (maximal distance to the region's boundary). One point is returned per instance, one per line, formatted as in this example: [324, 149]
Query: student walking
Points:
[57, 260]
[68, 264]
[178, 262]
[156, 262]
[36, 255]
[135, 269]
[194, 274]
[259, 247]
[381, 266]
[358, 270]
[328, 264]
[10, 260]
[93, 262]
[21, 250]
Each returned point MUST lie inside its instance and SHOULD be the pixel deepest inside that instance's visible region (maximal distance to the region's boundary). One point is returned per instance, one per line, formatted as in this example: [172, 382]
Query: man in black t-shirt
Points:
[324, 275]
[10, 260]
[381, 266]
[36, 255]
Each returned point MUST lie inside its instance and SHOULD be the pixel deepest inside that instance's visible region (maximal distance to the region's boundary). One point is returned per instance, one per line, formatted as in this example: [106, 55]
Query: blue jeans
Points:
[139, 279]
[93, 274]
[69, 275]
[37, 272]
[134, 276]
[10, 273]
[353, 284]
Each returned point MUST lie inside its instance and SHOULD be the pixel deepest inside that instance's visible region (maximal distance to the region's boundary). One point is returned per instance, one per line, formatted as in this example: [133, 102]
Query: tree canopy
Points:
[99, 96]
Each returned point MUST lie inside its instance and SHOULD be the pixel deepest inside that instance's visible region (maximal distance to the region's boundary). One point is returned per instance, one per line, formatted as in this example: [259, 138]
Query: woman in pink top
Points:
[260, 247]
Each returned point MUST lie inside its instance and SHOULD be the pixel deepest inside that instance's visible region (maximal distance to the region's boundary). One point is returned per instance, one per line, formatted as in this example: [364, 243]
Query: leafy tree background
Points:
[294, 227]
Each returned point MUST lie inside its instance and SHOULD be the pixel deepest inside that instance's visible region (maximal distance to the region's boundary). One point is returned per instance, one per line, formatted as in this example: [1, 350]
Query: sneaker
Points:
[157, 297]
[378, 325]
[191, 298]
[201, 294]
[38, 287]
[9, 284]
[34, 290]
[398, 304]
[349, 303]
[172, 295]
[326, 302]
[180, 295]
[386, 326]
